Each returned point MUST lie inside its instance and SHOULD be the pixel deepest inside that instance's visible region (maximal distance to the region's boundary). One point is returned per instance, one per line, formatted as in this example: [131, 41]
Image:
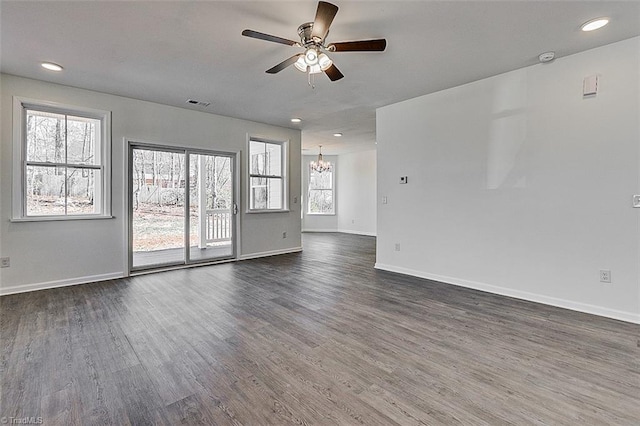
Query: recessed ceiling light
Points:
[51, 66]
[594, 24]
[337, 135]
[296, 120]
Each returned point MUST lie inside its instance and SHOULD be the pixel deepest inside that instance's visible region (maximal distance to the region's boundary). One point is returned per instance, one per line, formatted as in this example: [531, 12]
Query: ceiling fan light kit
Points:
[313, 62]
[314, 59]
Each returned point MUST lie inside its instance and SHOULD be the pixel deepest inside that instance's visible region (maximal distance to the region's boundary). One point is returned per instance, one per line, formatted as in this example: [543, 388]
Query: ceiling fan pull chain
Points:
[310, 78]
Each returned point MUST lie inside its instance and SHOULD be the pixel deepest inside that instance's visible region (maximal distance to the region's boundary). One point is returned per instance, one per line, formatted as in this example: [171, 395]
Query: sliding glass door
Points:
[157, 208]
[210, 207]
[181, 206]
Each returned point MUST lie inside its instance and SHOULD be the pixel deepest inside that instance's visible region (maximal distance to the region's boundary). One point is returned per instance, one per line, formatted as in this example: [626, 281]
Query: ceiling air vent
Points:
[198, 103]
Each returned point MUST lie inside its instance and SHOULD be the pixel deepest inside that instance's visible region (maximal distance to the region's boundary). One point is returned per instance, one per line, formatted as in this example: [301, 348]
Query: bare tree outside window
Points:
[266, 175]
[320, 195]
[63, 169]
[159, 194]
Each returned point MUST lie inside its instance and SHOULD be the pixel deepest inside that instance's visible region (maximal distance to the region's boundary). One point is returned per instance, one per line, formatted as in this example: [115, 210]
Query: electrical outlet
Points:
[5, 262]
[397, 246]
[284, 235]
[295, 200]
[605, 276]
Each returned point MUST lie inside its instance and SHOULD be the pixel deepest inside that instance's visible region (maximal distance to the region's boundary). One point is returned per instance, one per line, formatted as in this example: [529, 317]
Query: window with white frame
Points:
[62, 161]
[267, 178]
[321, 192]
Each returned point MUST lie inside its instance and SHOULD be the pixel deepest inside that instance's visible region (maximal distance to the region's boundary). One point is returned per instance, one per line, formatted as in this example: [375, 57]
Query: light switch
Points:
[590, 85]
[384, 200]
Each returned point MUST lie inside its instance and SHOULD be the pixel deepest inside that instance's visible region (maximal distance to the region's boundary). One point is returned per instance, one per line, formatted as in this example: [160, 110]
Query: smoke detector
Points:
[547, 57]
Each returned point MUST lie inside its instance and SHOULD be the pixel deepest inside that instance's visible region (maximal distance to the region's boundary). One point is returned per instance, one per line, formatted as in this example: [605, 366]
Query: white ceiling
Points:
[169, 51]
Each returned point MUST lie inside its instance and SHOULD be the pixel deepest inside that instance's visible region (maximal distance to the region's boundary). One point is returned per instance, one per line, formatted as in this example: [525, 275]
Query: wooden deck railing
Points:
[218, 225]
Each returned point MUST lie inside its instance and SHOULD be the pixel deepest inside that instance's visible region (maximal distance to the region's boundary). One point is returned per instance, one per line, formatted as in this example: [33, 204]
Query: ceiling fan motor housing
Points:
[304, 31]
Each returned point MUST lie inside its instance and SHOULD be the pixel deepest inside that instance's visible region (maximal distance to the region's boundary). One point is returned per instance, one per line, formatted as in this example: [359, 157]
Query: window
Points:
[267, 180]
[321, 194]
[62, 161]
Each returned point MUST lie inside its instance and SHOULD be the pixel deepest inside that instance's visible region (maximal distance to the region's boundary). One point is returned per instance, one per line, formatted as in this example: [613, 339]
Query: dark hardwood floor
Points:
[317, 337]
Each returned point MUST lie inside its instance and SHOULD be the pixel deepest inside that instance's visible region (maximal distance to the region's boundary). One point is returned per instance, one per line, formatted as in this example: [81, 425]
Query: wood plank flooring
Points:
[317, 337]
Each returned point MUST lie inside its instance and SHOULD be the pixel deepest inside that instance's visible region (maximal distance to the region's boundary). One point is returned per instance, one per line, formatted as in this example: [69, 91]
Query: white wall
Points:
[518, 185]
[66, 252]
[357, 193]
[315, 222]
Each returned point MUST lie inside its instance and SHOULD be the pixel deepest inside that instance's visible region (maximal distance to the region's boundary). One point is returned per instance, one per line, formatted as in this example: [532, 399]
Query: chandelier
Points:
[320, 165]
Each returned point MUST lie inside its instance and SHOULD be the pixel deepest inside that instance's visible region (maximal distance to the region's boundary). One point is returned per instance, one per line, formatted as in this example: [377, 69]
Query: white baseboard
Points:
[518, 294]
[349, 231]
[59, 283]
[269, 253]
[342, 231]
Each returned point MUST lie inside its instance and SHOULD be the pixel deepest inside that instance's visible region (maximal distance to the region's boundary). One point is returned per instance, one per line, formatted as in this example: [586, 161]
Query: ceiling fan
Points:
[312, 38]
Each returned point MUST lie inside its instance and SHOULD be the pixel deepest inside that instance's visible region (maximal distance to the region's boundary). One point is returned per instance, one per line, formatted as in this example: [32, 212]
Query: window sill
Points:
[267, 211]
[58, 218]
[321, 214]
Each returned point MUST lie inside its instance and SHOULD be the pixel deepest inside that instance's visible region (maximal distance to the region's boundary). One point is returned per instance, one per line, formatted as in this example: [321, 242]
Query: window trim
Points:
[284, 176]
[18, 200]
[333, 191]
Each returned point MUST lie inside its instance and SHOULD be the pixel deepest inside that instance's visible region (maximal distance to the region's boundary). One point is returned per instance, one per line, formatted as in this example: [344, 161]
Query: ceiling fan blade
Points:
[377, 45]
[268, 37]
[282, 65]
[324, 17]
[333, 73]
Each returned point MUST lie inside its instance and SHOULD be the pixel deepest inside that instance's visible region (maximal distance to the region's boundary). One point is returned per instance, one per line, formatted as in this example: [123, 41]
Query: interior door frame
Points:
[129, 146]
